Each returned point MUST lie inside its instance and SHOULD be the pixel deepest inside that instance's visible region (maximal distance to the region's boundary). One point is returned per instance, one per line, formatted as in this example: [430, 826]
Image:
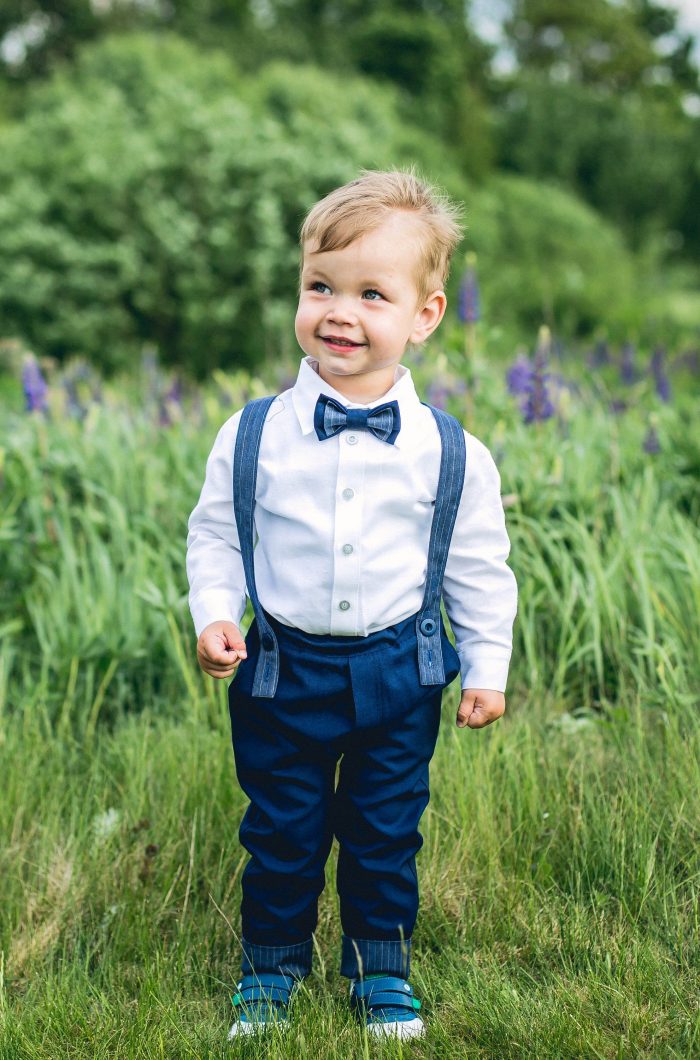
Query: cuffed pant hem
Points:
[294, 960]
[362, 957]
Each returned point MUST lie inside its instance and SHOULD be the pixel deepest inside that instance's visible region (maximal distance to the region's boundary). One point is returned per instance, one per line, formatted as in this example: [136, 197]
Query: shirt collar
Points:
[309, 386]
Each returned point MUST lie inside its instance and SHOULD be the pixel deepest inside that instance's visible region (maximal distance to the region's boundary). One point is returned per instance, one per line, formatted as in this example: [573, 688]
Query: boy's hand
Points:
[479, 707]
[220, 649]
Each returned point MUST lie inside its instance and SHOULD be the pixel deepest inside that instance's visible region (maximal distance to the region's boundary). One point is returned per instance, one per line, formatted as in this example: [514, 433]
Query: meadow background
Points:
[155, 163]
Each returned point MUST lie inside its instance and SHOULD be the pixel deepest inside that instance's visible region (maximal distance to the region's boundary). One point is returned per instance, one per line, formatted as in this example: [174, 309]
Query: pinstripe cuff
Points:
[362, 957]
[294, 960]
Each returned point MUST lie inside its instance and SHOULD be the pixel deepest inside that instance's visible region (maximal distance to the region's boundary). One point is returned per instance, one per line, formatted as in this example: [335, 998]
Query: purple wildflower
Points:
[618, 405]
[651, 443]
[437, 394]
[628, 371]
[171, 403]
[469, 303]
[34, 384]
[689, 361]
[558, 349]
[538, 405]
[73, 403]
[518, 376]
[174, 392]
[600, 354]
[658, 370]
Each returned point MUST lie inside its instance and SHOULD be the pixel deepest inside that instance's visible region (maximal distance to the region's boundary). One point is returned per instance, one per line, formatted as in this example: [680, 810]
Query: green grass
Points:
[560, 874]
[559, 886]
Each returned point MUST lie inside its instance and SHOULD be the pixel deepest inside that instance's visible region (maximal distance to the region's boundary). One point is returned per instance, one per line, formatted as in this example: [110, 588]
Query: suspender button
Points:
[428, 627]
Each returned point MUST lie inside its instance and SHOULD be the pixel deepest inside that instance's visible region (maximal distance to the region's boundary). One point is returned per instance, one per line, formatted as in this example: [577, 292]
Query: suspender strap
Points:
[245, 474]
[453, 462]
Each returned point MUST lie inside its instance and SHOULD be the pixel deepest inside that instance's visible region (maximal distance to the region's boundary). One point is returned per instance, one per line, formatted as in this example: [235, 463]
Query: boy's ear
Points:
[428, 318]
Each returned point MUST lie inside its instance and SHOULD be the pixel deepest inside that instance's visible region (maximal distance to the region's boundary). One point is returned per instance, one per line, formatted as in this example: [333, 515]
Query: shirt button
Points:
[344, 605]
[348, 494]
[352, 439]
[347, 549]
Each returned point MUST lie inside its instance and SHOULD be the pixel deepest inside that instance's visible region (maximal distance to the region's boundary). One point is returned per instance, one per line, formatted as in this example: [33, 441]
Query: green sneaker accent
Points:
[236, 999]
[416, 1003]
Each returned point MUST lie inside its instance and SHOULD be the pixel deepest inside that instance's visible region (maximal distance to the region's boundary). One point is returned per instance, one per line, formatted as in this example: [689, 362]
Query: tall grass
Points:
[560, 870]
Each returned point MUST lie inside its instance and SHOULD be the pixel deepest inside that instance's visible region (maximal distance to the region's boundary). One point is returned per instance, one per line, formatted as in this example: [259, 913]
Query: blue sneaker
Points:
[261, 1003]
[387, 1005]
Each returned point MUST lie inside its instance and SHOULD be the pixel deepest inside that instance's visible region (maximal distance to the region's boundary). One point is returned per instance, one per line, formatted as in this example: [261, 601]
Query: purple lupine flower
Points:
[518, 376]
[628, 371]
[651, 443]
[537, 405]
[437, 394]
[468, 308]
[174, 391]
[600, 354]
[73, 403]
[658, 370]
[558, 349]
[34, 385]
[689, 361]
[171, 403]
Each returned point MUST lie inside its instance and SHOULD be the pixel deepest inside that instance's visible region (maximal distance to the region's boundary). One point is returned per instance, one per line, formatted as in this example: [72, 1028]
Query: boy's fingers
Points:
[480, 716]
[478, 709]
[227, 656]
[221, 649]
[464, 711]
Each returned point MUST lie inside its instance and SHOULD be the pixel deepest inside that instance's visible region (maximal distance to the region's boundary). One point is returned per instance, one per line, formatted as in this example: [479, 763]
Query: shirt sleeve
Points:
[214, 563]
[479, 588]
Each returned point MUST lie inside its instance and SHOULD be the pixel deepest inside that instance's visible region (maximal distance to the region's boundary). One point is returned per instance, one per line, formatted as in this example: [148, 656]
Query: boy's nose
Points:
[341, 312]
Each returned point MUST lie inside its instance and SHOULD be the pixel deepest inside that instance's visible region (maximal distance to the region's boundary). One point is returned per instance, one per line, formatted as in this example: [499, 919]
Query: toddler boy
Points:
[366, 506]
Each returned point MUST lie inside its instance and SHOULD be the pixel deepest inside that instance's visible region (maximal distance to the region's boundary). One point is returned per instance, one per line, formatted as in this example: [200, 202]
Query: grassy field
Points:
[560, 872]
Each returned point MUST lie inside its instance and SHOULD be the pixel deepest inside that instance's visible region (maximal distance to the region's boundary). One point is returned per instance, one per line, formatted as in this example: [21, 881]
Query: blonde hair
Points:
[353, 210]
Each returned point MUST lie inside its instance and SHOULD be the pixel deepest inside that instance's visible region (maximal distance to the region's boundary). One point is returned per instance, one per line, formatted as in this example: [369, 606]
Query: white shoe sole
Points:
[414, 1028]
[241, 1028]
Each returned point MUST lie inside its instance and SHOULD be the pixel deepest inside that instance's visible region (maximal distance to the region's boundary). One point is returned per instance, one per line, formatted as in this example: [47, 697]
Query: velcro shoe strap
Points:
[264, 993]
[266, 986]
[380, 993]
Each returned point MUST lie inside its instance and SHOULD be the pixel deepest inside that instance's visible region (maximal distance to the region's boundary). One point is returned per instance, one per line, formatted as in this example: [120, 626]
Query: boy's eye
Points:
[371, 295]
[317, 285]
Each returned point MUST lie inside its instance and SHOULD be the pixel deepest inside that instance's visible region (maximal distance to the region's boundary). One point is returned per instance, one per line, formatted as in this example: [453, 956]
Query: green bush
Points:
[152, 197]
[544, 255]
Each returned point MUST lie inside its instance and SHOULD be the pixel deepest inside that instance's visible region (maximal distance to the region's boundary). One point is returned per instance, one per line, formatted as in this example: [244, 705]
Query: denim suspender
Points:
[245, 476]
[453, 461]
[449, 492]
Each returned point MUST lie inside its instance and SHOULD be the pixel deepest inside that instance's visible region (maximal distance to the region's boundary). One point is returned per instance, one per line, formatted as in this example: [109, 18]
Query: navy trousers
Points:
[357, 701]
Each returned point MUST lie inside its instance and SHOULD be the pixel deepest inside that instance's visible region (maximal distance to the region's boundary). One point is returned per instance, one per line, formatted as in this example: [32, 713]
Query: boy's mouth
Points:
[336, 342]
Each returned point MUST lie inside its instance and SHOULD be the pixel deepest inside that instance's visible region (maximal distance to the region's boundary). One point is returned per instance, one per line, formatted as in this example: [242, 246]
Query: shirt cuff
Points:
[484, 671]
[216, 605]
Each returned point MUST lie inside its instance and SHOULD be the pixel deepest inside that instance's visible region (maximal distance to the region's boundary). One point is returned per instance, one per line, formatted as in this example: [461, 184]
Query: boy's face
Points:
[359, 309]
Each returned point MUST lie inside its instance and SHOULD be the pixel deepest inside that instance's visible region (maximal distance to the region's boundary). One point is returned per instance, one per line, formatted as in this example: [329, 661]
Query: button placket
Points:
[345, 601]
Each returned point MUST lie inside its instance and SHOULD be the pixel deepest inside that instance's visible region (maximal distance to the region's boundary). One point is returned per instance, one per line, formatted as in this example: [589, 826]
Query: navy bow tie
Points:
[330, 418]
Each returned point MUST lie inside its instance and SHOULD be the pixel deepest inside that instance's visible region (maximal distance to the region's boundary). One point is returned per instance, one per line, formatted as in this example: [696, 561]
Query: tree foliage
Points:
[150, 198]
[545, 256]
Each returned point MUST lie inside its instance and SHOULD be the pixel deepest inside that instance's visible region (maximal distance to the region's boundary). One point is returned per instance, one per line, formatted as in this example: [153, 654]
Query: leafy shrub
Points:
[152, 197]
[544, 255]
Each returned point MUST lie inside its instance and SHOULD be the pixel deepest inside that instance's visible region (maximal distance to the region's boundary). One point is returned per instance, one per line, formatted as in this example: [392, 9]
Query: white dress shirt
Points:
[342, 530]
